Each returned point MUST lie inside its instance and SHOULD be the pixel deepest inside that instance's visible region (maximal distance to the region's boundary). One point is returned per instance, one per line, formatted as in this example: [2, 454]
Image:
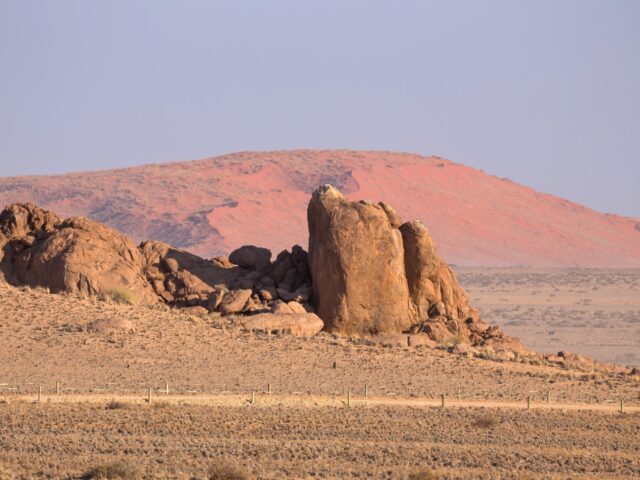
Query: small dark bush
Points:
[223, 470]
[112, 471]
[423, 474]
[115, 405]
[486, 421]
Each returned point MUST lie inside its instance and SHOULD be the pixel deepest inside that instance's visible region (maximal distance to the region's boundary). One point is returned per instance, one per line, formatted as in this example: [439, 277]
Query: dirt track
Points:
[270, 400]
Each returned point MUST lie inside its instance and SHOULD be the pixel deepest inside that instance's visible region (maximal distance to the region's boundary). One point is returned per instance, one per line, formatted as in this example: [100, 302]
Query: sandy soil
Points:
[304, 429]
[46, 340]
[292, 441]
[592, 312]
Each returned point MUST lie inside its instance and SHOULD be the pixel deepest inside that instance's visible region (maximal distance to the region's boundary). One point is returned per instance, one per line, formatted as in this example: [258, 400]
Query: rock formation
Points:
[366, 274]
[357, 265]
[78, 255]
[74, 255]
[373, 274]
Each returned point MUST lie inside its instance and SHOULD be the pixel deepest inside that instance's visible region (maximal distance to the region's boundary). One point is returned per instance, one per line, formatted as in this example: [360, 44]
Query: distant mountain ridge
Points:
[214, 205]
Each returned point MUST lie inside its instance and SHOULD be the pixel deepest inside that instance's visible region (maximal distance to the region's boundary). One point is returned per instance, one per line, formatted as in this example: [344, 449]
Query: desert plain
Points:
[277, 406]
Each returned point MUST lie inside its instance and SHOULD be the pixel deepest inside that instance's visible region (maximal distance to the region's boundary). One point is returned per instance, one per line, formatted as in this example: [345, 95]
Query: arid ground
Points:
[305, 429]
[591, 312]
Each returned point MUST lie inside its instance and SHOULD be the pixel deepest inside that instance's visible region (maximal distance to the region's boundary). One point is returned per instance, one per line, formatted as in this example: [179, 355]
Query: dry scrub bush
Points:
[116, 405]
[422, 474]
[486, 421]
[124, 296]
[223, 470]
[112, 471]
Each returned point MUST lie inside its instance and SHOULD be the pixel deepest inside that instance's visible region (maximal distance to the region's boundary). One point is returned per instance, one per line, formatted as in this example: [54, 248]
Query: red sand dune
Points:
[212, 206]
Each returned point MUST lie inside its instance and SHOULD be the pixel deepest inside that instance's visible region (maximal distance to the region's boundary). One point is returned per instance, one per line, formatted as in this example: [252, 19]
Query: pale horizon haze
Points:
[546, 93]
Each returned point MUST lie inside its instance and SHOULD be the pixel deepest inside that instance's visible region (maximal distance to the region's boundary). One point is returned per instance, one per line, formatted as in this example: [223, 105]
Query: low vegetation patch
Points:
[224, 470]
[124, 296]
[112, 471]
[116, 405]
[486, 421]
[422, 474]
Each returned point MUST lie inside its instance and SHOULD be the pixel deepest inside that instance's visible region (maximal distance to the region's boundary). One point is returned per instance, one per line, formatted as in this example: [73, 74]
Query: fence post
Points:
[442, 400]
[268, 389]
[149, 396]
[349, 398]
[253, 397]
[621, 406]
[57, 388]
[528, 402]
[166, 388]
[548, 396]
[39, 393]
[366, 390]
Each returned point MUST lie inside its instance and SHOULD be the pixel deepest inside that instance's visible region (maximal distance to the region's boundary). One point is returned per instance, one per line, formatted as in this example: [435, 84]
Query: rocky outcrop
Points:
[373, 274]
[78, 255]
[75, 255]
[357, 265]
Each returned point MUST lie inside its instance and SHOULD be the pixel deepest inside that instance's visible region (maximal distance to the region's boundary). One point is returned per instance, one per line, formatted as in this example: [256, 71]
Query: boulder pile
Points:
[78, 255]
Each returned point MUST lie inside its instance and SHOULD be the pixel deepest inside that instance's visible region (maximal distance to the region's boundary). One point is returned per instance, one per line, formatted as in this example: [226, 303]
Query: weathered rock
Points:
[111, 325]
[215, 299]
[280, 307]
[301, 324]
[296, 307]
[76, 255]
[249, 256]
[433, 286]
[234, 301]
[374, 274]
[356, 260]
[301, 295]
[268, 293]
[19, 220]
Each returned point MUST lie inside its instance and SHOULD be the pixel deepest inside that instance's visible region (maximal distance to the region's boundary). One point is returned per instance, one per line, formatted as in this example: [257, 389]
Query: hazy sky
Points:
[544, 92]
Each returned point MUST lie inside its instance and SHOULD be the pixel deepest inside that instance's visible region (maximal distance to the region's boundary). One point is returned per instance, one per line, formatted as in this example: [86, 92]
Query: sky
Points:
[544, 92]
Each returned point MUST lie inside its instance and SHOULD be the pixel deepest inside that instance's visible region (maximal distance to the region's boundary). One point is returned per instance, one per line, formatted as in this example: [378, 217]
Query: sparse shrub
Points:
[423, 474]
[223, 470]
[112, 471]
[456, 340]
[124, 296]
[161, 404]
[116, 405]
[486, 421]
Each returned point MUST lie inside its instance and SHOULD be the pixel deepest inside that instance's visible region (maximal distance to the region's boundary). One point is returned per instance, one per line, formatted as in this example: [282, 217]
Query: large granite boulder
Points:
[356, 258]
[74, 255]
[373, 274]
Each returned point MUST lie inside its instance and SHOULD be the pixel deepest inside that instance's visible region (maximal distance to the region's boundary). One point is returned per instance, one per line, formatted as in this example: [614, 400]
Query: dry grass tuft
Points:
[223, 470]
[423, 474]
[123, 296]
[112, 471]
[486, 421]
[116, 405]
